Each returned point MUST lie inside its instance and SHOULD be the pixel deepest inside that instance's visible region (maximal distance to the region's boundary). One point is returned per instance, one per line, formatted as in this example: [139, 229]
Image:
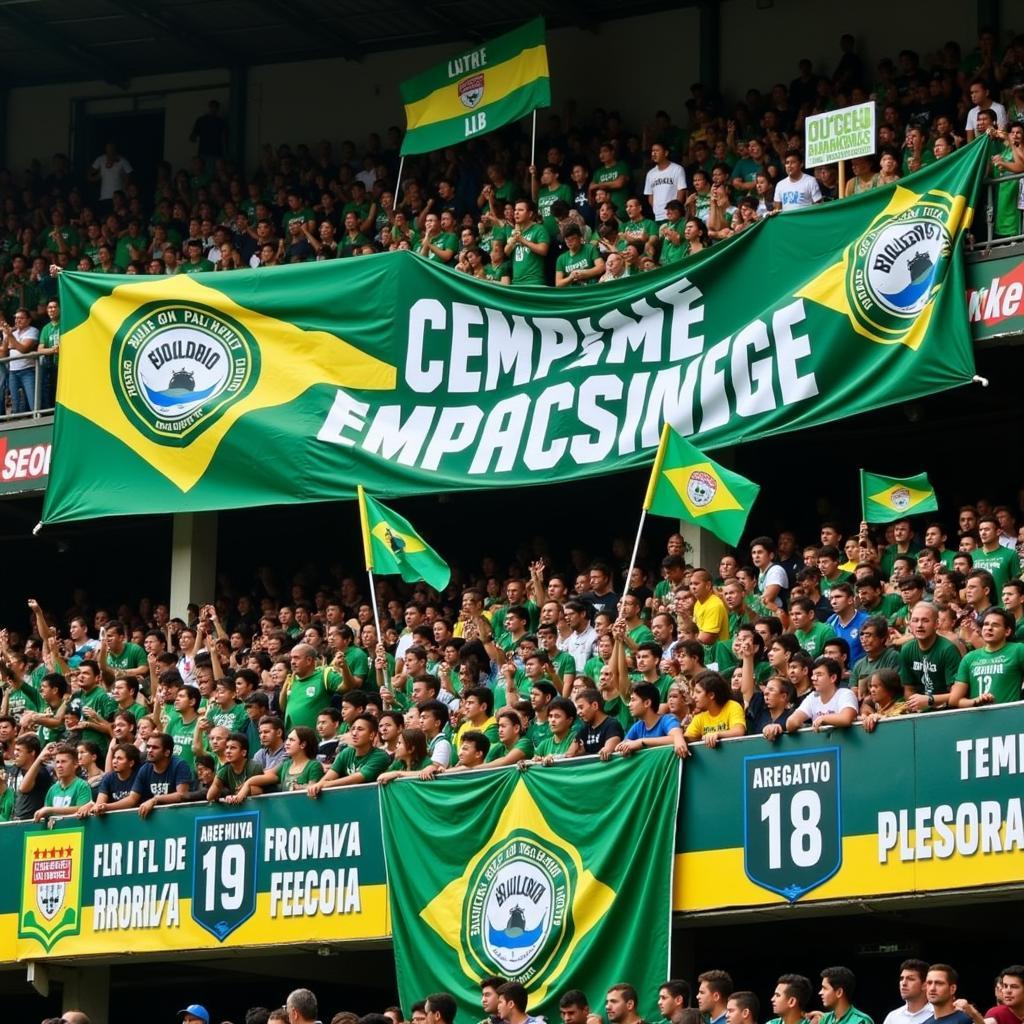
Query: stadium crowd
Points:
[288, 686]
[929, 994]
[604, 202]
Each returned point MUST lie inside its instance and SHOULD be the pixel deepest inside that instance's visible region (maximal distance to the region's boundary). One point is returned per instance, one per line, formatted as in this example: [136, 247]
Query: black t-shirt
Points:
[327, 750]
[602, 603]
[26, 804]
[115, 787]
[758, 715]
[594, 738]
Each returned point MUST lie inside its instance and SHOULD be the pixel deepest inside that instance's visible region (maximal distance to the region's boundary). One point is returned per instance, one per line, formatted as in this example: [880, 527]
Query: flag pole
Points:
[364, 524]
[659, 460]
[533, 141]
[398, 183]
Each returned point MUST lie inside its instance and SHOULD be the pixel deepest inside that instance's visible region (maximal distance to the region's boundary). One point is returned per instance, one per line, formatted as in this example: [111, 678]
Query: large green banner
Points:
[278, 870]
[294, 384]
[924, 804]
[553, 877]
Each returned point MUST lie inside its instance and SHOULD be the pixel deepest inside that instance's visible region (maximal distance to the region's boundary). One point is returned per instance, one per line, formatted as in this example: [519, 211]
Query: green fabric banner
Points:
[270, 386]
[508, 873]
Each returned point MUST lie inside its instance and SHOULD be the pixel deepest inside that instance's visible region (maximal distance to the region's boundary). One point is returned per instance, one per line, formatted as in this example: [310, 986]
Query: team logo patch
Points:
[900, 498]
[516, 905]
[896, 269]
[177, 366]
[471, 91]
[51, 886]
[701, 488]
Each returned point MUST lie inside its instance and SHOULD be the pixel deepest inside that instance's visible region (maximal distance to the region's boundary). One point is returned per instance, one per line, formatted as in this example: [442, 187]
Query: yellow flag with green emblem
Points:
[686, 484]
[393, 548]
[885, 498]
[477, 91]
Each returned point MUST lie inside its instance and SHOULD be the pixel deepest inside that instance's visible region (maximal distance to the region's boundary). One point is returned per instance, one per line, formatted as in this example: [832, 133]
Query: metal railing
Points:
[27, 397]
[1013, 183]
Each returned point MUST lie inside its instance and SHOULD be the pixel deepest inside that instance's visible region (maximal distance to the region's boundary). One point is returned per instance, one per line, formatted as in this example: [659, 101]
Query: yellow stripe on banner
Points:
[715, 880]
[292, 361]
[499, 81]
[369, 922]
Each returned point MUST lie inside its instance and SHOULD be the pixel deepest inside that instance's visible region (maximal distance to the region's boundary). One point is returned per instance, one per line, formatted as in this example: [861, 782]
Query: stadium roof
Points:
[43, 41]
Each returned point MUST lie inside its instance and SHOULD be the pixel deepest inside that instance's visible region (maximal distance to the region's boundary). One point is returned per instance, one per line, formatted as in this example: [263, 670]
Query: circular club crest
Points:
[178, 366]
[900, 498]
[701, 488]
[517, 908]
[896, 268]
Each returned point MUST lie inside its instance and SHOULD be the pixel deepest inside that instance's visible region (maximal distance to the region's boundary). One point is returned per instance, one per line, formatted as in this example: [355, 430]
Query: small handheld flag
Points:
[686, 484]
[885, 498]
[478, 91]
[393, 548]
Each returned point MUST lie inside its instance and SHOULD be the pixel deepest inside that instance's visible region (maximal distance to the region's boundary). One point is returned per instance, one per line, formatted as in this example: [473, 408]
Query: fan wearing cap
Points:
[194, 1014]
[196, 263]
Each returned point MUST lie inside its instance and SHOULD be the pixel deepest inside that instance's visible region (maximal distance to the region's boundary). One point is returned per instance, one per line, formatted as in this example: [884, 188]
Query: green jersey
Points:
[672, 252]
[635, 230]
[619, 195]
[525, 744]
[123, 251]
[931, 671]
[641, 634]
[662, 683]
[618, 708]
[496, 273]
[21, 699]
[445, 240]
[547, 197]
[841, 577]
[864, 668]
[290, 780]
[814, 639]
[537, 732]
[182, 734]
[358, 662]
[231, 781]
[528, 266]
[556, 747]
[131, 656]
[584, 258]
[852, 1016]
[307, 697]
[75, 794]
[999, 672]
[1003, 564]
[592, 669]
[301, 216]
[887, 606]
[234, 718]
[718, 657]
[368, 765]
[105, 706]
[201, 266]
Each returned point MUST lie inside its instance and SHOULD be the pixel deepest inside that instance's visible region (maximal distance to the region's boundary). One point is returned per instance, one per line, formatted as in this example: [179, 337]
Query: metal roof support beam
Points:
[47, 37]
[148, 13]
[311, 20]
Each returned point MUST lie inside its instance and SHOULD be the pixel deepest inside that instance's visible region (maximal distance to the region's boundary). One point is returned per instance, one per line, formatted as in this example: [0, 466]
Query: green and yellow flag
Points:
[885, 498]
[393, 548]
[478, 91]
[686, 484]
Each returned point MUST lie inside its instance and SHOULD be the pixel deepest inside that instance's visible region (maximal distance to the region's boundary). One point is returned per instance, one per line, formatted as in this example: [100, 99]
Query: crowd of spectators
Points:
[605, 201]
[929, 994]
[291, 688]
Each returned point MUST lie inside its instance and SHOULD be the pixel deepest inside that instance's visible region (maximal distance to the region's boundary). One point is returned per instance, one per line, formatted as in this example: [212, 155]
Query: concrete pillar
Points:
[703, 549]
[710, 34]
[86, 989]
[238, 99]
[193, 560]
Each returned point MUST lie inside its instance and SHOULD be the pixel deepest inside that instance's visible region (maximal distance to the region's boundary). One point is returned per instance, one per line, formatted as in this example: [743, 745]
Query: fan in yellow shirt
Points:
[709, 611]
[718, 715]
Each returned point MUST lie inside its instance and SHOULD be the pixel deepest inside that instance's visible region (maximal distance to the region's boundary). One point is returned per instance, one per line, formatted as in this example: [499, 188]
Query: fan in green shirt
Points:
[636, 227]
[358, 763]
[810, 634]
[580, 264]
[513, 745]
[309, 688]
[612, 175]
[224, 710]
[1000, 562]
[552, 191]
[674, 246]
[562, 737]
[929, 663]
[993, 674]
[874, 635]
[68, 791]
[20, 697]
[528, 246]
[235, 772]
[94, 704]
